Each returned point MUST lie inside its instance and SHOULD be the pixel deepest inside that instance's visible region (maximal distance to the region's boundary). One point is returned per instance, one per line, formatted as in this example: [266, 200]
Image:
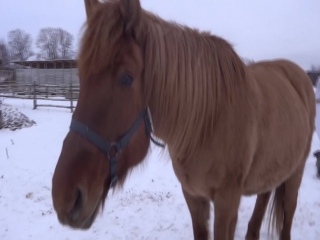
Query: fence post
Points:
[71, 98]
[34, 95]
[1, 119]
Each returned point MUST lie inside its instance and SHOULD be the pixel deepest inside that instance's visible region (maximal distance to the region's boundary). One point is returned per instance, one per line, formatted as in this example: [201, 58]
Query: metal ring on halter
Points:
[117, 150]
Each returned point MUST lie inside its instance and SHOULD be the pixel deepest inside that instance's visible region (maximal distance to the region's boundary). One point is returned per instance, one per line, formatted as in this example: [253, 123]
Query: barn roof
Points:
[49, 64]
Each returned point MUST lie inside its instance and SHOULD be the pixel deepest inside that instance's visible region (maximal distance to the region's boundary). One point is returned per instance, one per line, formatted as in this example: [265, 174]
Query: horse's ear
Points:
[90, 5]
[131, 11]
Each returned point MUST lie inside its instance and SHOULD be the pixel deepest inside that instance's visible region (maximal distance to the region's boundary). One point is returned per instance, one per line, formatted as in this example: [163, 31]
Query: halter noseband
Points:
[107, 147]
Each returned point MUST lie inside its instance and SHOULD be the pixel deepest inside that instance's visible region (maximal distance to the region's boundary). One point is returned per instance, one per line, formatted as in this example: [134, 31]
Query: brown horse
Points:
[231, 129]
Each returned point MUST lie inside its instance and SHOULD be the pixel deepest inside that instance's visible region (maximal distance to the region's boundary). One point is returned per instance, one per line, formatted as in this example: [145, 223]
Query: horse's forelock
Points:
[102, 41]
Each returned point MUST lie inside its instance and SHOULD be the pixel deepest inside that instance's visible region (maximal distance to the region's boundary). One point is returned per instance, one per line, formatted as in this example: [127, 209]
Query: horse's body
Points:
[231, 129]
[258, 130]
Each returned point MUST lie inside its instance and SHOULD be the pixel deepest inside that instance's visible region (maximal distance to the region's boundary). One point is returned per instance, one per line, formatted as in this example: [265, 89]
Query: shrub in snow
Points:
[12, 118]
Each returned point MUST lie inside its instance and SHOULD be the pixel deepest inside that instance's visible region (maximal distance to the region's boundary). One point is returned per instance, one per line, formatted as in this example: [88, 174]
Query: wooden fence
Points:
[56, 93]
[55, 81]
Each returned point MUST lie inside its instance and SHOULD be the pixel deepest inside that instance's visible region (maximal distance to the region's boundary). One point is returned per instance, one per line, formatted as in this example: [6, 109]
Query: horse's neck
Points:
[184, 96]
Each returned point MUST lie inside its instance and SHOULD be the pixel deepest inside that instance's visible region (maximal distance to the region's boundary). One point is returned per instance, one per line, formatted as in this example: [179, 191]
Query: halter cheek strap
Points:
[107, 147]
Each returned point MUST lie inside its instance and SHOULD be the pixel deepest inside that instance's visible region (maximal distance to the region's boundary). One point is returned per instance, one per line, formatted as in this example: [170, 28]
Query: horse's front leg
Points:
[226, 204]
[199, 208]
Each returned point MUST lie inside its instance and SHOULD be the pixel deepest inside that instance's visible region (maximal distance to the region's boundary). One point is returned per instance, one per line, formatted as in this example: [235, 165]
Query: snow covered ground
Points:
[151, 206]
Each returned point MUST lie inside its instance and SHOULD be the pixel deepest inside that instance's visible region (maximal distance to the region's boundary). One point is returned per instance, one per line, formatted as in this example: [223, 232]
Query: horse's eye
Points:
[126, 80]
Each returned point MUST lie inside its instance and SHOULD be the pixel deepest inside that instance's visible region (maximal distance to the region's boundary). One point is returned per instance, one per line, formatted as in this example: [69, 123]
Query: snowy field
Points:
[151, 206]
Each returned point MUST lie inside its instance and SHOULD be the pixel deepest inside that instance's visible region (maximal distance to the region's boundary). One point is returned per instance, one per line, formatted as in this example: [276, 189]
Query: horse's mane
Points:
[187, 73]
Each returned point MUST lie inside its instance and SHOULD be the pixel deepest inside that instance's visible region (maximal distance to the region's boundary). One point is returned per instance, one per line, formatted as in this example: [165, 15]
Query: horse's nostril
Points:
[74, 214]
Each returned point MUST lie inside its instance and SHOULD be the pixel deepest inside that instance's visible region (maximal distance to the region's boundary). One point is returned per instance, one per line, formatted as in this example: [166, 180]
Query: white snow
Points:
[151, 206]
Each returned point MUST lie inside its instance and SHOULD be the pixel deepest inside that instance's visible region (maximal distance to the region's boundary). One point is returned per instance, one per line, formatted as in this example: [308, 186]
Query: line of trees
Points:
[52, 43]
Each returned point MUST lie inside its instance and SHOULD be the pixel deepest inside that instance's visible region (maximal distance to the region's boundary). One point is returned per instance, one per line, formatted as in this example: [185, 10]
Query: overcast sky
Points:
[258, 29]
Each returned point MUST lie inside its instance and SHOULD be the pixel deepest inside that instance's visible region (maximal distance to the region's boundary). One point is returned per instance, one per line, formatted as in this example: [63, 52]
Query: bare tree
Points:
[20, 44]
[65, 49]
[47, 42]
[55, 43]
[4, 52]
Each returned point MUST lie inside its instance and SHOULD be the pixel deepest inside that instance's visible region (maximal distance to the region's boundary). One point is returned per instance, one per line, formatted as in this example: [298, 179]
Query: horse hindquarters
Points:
[286, 195]
[283, 206]
[290, 188]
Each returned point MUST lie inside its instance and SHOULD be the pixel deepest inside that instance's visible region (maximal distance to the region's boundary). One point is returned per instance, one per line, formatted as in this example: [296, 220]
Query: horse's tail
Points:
[276, 211]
